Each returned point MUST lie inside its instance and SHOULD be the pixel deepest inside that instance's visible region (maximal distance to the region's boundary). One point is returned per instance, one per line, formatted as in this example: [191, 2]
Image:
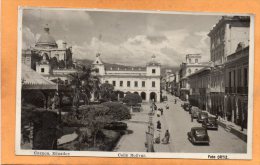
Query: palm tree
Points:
[84, 83]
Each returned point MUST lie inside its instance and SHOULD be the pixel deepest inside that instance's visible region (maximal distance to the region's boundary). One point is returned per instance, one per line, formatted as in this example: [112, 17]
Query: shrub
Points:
[117, 111]
[132, 99]
[116, 126]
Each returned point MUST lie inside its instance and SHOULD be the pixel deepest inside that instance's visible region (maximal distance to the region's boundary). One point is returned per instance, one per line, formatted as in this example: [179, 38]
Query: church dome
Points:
[46, 40]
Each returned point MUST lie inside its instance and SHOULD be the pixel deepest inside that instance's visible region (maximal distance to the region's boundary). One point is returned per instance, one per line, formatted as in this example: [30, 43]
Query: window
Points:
[245, 77]
[229, 79]
[143, 83]
[136, 83]
[106, 81]
[196, 60]
[128, 83]
[189, 71]
[97, 70]
[153, 71]
[114, 83]
[189, 60]
[153, 83]
[42, 70]
[239, 77]
[121, 83]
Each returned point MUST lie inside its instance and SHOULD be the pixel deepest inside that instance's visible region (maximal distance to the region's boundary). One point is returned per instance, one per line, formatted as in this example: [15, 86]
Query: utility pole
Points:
[150, 131]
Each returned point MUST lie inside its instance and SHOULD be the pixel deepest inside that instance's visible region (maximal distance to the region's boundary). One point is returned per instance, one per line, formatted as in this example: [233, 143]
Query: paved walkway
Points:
[135, 140]
[161, 147]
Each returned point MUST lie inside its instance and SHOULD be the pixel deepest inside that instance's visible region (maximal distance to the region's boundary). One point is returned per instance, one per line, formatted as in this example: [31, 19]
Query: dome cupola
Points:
[46, 40]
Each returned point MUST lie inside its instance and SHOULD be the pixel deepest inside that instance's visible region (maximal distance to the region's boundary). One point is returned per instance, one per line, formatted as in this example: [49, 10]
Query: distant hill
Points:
[86, 62]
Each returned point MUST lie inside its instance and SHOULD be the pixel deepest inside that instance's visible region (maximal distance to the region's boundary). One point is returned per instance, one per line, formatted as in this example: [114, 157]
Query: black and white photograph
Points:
[143, 84]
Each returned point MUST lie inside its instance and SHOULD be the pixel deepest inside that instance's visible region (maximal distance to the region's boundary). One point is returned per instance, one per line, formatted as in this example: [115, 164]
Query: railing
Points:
[242, 90]
[239, 90]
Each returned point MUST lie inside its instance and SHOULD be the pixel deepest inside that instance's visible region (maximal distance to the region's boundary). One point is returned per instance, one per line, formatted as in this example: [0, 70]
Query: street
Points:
[179, 123]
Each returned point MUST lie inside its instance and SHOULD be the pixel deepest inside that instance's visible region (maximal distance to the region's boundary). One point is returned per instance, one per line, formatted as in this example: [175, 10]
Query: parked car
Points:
[198, 135]
[210, 123]
[185, 105]
[165, 98]
[202, 116]
[195, 112]
[116, 126]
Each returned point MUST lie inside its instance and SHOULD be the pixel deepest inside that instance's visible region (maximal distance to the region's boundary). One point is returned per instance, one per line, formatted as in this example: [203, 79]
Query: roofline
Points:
[226, 19]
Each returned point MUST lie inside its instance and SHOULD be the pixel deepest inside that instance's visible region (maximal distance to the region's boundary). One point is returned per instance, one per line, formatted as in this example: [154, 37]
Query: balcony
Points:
[230, 90]
[237, 90]
[242, 90]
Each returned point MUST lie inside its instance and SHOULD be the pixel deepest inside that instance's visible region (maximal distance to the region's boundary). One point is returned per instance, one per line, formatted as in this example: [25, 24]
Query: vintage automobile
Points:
[185, 105]
[198, 135]
[195, 112]
[202, 116]
[210, 123]
[165, 98]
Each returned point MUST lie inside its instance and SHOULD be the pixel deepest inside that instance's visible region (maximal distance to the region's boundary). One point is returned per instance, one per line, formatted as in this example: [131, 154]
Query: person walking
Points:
[161, 111]
[159, 125]
[158, 113]
[166, 138]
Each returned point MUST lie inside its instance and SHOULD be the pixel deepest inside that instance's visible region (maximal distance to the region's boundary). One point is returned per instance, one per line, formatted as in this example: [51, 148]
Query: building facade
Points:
[224, 38]
[236, 86]
[191, 65]
[48, 58]
[200, 88]
[144, 81]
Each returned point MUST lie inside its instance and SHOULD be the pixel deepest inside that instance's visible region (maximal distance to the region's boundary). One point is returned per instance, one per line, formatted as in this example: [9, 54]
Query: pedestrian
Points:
[158, 113]
[191, 117]
[175, 101]
[166, 138]
[161, 111]
[159, 125]
[167, 106]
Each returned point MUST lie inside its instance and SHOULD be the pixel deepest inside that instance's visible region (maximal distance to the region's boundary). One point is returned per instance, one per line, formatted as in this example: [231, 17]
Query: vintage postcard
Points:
[140, 84]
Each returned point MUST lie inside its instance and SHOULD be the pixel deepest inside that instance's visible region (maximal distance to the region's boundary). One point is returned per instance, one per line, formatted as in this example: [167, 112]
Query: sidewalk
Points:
[135, 140]
[231, 127]
[164, 126]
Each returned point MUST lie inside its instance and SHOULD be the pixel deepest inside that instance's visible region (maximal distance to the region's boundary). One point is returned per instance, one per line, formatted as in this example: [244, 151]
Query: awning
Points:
[33, 80]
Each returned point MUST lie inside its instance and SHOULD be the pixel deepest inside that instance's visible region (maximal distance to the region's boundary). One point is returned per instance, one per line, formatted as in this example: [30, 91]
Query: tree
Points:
[118, 111]
[132, 99]
[61, 64]
[83, 84]
[54, 62]
[107, 91]
[94, 117]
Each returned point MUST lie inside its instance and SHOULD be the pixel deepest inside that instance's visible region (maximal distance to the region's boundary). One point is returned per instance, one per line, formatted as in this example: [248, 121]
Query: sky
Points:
[129, 38]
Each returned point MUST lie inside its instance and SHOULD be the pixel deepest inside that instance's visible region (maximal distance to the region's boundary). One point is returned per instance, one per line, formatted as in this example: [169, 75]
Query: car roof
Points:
[196, 128]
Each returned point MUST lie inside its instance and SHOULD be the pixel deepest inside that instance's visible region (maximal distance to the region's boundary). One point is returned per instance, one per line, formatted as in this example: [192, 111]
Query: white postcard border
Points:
[248, 155]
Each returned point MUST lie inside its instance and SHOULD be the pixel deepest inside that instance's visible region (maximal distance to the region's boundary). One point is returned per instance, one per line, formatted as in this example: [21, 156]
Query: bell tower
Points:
[99, 65]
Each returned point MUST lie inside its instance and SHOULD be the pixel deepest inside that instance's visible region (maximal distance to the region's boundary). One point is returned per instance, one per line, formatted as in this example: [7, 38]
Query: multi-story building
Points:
[224, 37]
[192, 64]
[48, 58]
[144, 81]
[169, 78]
[236, 85]
[200, 88]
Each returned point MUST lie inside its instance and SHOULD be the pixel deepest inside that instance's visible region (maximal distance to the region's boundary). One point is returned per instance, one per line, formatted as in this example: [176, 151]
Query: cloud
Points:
[170, 47]
[28, 38]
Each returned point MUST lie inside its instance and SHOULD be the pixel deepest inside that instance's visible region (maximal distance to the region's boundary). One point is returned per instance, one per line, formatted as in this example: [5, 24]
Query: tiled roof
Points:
[123, 68]
[32, 79]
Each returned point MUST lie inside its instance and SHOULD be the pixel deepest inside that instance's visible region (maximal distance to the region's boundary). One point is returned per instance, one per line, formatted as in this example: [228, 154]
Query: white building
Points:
[142, 80]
